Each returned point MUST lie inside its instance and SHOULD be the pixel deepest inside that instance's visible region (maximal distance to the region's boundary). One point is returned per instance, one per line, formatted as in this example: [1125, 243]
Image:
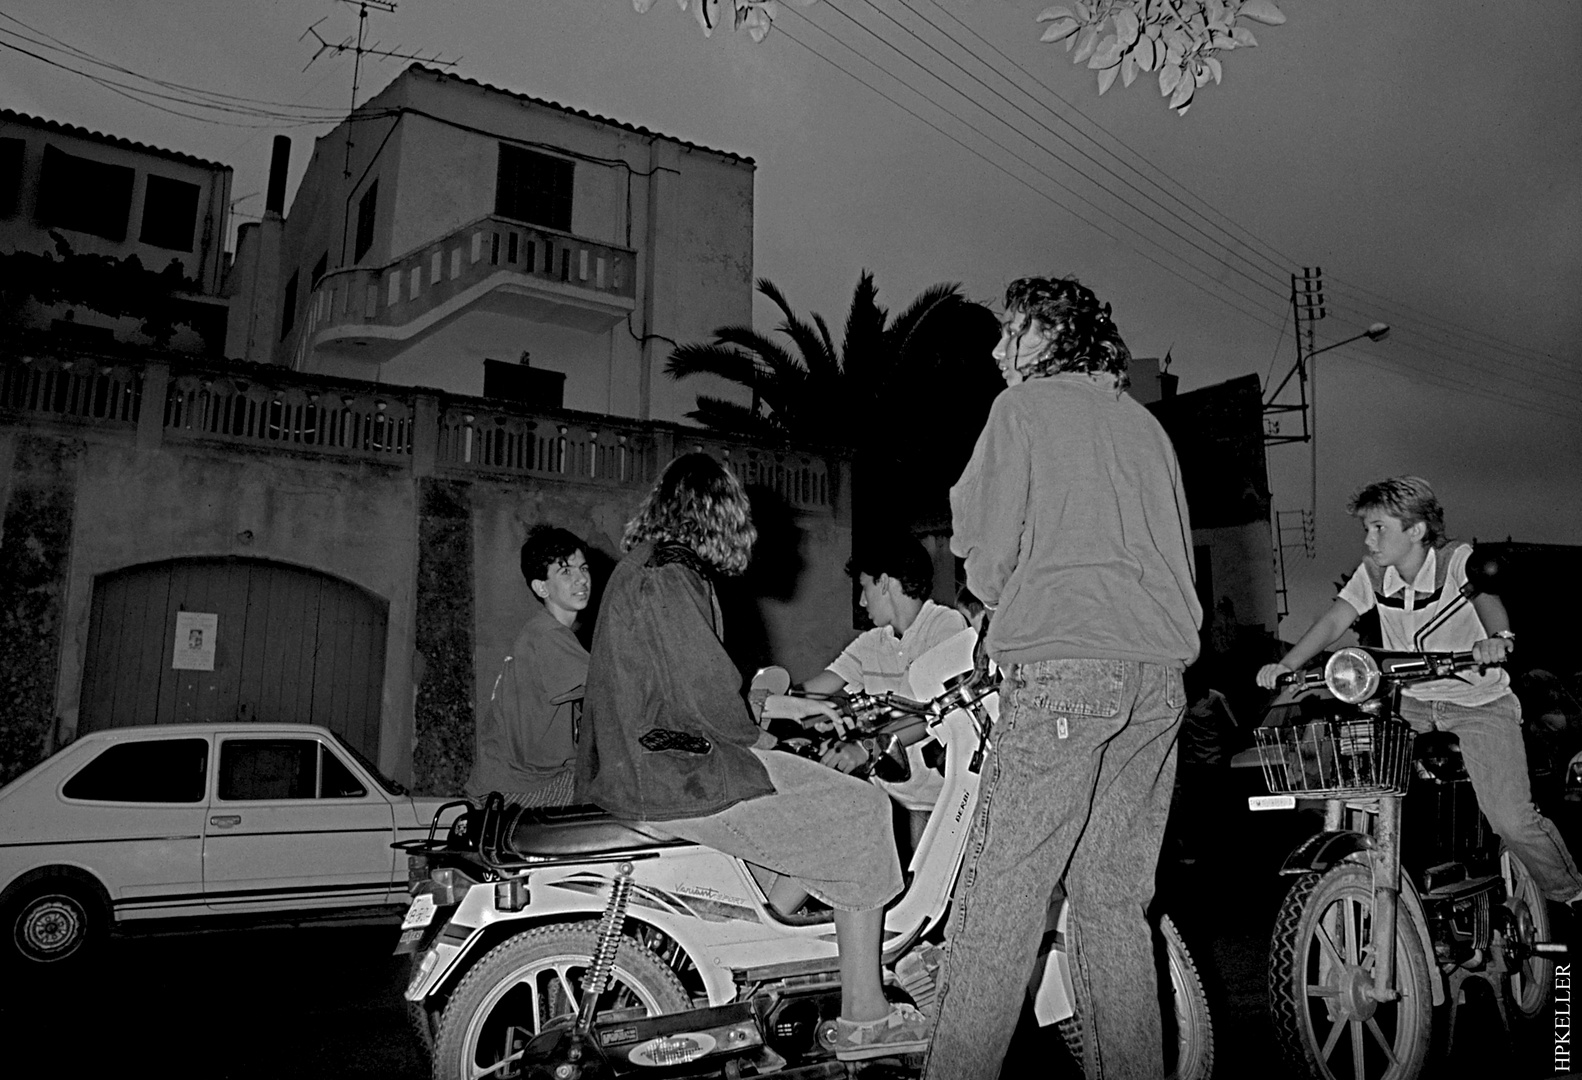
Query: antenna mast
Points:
[355, 44]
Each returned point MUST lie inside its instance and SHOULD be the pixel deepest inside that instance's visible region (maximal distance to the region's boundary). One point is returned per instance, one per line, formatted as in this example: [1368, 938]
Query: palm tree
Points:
[875, 395]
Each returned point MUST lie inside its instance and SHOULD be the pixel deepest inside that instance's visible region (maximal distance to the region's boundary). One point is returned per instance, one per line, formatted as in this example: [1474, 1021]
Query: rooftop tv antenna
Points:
[357, 46]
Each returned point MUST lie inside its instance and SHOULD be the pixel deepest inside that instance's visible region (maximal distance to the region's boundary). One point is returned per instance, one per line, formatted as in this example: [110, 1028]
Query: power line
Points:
[1262, 316]
[1254, 242]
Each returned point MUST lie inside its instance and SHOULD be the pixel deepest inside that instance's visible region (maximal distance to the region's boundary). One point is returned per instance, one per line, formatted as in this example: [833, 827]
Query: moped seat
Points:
[580, 830]
[1439, 752]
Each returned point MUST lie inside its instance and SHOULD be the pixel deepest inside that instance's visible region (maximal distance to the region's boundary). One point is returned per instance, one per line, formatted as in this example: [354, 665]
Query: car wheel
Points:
[54, 921]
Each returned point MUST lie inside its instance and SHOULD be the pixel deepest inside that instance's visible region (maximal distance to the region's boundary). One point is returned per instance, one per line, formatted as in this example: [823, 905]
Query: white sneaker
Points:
[903, 1031]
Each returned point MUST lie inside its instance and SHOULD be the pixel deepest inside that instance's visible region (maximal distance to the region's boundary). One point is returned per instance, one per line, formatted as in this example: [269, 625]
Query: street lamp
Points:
[1376, 332]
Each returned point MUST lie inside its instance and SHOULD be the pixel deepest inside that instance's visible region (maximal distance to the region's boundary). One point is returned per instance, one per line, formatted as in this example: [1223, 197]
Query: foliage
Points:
[110, 286]
[1178, 39]
[755, 16]
[919, 385]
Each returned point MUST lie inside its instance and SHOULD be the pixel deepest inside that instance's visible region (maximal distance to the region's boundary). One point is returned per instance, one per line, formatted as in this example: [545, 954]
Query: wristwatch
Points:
[1508, 635]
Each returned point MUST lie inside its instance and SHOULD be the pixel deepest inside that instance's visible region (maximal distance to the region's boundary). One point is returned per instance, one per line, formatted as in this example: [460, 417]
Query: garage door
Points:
[273, 642]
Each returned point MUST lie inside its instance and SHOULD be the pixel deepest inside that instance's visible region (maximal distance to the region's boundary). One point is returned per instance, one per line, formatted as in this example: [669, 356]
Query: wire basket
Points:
[1337, 758]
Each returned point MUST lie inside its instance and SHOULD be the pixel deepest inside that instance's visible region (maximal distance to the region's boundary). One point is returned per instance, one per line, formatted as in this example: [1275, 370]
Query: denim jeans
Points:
[1496, 760]
[1077, 786]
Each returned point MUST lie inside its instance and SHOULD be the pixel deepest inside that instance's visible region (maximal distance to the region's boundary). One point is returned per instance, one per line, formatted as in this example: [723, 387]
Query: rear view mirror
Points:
[1485, 569]
[776, 680]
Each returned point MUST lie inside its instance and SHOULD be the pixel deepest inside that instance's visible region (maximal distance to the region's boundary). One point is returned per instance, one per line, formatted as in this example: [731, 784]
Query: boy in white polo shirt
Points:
[1413, 575]
[896, 576]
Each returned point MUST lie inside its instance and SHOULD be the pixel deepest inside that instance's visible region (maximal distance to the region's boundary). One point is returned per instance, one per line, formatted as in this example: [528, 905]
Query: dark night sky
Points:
[1425, 153]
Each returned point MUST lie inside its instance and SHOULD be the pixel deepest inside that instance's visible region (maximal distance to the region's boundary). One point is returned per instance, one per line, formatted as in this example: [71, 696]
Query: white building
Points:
[467, 228]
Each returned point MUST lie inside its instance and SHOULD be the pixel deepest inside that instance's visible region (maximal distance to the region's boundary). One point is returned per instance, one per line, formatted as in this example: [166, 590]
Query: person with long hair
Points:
[669, 738]
[1072, 521]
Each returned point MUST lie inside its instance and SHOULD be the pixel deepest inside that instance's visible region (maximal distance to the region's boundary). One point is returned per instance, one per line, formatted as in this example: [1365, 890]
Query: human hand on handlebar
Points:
[844, 757]
[1494, 650]
[1269, 675]
[792, 707]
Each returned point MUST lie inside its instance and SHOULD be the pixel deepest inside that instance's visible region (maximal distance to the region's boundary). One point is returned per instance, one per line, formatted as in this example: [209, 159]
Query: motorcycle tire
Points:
[1531, 980]
[1320, 961]
[529, 980]
[1194, 1052]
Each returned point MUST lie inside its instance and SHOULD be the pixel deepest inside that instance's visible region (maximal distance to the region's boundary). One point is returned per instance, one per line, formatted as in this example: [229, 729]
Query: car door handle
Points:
[225, 821]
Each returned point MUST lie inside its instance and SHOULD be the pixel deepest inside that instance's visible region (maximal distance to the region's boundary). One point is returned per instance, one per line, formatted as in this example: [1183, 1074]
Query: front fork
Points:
[1385, 858]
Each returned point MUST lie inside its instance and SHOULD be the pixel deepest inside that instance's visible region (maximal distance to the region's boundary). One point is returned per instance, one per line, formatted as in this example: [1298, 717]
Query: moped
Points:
[571, 944]
[1388, 914]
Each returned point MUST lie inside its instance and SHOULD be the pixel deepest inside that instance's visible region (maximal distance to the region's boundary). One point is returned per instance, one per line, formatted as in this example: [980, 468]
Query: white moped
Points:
[571, 944]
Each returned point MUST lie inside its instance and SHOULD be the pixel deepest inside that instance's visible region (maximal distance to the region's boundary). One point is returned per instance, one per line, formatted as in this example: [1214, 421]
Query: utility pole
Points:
[355, 44]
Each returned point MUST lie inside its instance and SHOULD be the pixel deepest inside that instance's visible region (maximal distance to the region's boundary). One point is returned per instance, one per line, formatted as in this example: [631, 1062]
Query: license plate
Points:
[1271, 802]
[420, 914]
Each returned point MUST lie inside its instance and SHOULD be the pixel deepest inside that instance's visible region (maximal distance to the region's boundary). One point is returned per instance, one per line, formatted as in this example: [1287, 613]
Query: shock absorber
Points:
[610, 927]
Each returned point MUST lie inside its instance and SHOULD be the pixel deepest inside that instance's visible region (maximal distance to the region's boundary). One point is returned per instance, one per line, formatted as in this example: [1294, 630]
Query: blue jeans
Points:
[1496, 760]
[1077, 787]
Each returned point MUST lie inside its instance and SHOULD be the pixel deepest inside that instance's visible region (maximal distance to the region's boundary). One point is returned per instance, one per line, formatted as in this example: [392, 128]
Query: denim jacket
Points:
[666, 733]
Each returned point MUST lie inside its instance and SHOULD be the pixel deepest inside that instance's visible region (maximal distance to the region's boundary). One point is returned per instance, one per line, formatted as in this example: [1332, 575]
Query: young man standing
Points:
[1073, 523]
[1414, 576]
[526, 738]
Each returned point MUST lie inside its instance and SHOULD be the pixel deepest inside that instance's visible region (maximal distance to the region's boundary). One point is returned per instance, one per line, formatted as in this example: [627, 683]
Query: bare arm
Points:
[1320, 636]
[1491, 612]
[825, 682]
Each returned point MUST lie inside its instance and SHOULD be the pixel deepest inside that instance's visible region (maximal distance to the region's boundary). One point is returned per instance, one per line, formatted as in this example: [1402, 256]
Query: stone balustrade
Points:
[266, 408]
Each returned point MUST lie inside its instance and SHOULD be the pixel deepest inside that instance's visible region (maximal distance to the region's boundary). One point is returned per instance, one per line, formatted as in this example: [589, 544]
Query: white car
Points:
[198, 821]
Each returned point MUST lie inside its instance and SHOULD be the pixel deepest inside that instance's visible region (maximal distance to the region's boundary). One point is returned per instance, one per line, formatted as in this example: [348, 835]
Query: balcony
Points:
[493, 264]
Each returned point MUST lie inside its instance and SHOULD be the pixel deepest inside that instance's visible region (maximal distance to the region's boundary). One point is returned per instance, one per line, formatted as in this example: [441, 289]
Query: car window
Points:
[336, 780]
[253, 769]
[268, 768]
[153, 771]
[373, 770]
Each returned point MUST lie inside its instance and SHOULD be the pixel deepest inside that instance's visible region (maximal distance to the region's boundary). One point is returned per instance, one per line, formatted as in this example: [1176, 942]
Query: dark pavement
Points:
[325, 1002]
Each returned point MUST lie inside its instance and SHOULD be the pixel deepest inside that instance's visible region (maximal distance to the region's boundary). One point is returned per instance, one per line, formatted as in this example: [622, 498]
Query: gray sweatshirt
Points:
[1073, 524]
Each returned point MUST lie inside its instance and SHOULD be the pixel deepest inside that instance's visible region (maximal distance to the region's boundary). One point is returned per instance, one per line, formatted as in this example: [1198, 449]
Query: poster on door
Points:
[195, 636]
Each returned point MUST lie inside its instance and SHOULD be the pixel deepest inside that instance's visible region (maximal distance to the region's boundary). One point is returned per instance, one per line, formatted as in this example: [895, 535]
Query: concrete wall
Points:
[354, 521]
[437, 545]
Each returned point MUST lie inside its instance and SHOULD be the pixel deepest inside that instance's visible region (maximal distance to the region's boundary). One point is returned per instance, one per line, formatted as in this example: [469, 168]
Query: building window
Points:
[319, 269]
[534, 187]
[12, 152]
[170, 213]
[367, 206]
[288, 307]
[84, 195]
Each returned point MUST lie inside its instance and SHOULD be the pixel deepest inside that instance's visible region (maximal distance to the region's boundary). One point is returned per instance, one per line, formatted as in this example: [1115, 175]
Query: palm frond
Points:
[931, 301]
[724, 361]
[717, 414]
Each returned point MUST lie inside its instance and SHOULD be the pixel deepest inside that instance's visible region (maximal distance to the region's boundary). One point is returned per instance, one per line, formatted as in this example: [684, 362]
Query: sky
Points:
[1425, 154]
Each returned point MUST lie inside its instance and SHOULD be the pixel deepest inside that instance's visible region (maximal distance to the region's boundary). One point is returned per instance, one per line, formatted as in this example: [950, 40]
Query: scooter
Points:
[1389, 914]
[571, 944]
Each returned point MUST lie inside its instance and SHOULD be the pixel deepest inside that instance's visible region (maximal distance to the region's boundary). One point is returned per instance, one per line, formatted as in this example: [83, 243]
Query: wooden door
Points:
[292, 646]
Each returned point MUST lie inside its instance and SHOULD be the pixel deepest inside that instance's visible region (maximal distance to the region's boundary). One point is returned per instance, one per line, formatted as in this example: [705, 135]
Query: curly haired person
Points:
[669, 738]
[1073, 523]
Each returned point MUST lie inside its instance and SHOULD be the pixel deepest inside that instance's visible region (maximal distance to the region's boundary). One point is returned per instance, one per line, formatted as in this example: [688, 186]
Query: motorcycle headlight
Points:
[1352, 675]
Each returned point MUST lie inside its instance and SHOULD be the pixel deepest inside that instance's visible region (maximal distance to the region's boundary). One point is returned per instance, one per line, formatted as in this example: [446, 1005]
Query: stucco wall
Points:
[355, 521]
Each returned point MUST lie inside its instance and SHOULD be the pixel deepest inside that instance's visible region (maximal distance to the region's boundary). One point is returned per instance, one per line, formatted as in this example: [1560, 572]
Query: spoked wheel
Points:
[1531, 976]
[529, 981]
[1322, 959]
[1189, 1035]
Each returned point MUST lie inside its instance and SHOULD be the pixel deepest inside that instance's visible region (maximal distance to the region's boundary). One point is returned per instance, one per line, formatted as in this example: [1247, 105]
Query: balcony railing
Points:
[555, 276]
[73, 389]
[266, 408]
